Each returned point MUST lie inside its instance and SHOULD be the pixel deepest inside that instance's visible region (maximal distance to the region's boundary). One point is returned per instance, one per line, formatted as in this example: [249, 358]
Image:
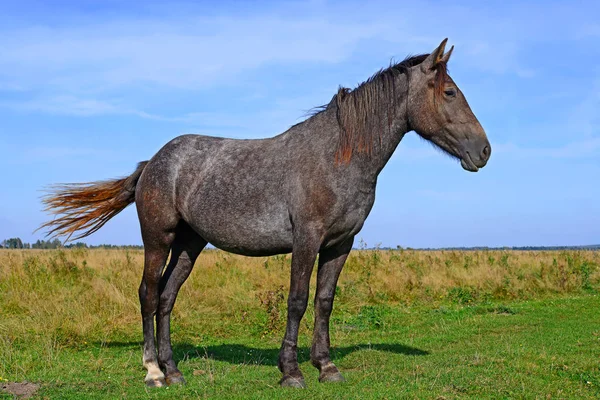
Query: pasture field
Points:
[406, 324]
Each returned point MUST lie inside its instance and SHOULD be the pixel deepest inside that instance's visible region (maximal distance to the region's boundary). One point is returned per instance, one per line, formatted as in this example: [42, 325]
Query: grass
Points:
[407, 324]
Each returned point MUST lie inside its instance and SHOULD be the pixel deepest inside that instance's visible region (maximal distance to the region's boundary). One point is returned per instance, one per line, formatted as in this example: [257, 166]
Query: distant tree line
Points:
[523, 248]
[17, 243]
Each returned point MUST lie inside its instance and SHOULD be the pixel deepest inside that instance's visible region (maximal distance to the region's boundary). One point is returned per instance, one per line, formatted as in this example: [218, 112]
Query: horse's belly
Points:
[251, 235]
[252, 241]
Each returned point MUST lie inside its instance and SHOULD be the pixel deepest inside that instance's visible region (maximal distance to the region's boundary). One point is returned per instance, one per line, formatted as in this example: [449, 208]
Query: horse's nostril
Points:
[485, 153]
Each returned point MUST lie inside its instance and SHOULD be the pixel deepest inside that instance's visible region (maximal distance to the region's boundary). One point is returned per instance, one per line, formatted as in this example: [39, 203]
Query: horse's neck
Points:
[384, 142]
[323, 132]
[390, 139]
[384, 145]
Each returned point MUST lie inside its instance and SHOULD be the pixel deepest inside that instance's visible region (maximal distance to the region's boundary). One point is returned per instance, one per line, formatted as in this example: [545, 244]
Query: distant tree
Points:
[43, 244]
[12, 243]
[78, 245]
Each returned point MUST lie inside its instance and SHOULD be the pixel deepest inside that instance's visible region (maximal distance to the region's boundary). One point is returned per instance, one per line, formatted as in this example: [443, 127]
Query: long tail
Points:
[86, 207]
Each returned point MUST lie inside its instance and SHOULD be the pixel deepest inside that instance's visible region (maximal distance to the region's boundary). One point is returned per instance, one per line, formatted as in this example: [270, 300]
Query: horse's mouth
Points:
[468, 164]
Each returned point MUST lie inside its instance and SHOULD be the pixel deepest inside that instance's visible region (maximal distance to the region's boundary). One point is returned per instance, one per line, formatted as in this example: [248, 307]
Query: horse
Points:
[307, 191]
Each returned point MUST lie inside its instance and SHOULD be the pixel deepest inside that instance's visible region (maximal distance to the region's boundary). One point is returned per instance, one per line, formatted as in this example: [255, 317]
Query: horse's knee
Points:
[149, 298]
[297, 305]
[324, 303]
[165, 304]
[142, 291]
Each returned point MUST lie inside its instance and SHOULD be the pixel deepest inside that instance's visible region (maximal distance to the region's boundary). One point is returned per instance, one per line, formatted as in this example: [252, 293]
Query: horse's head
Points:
[439, 112]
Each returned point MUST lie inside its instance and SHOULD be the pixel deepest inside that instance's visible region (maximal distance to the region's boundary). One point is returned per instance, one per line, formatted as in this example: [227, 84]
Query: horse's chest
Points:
[348, 218]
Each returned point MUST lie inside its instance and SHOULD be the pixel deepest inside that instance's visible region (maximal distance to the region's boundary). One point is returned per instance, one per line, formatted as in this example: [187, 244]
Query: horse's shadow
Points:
[242, 354]
[235, 353]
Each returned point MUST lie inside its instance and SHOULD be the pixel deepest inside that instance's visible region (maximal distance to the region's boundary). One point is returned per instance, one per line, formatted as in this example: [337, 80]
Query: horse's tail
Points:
[86, 207]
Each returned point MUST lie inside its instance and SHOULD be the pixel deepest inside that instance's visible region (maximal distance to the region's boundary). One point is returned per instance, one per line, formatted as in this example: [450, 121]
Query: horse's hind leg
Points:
[185, 250]
[157, 244]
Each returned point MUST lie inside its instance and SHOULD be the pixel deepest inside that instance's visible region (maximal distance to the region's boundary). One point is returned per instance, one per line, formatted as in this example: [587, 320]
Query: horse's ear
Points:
[446, 57]
[435, 57]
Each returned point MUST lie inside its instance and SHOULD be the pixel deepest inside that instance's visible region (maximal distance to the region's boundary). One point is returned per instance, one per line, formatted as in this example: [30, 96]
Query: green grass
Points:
[533, 349]
[459, 346]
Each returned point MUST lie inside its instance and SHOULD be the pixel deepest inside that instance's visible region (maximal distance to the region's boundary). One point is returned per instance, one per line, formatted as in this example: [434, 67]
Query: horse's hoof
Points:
[158, 382]
[332, 377]
[175, 379]
[291, 381]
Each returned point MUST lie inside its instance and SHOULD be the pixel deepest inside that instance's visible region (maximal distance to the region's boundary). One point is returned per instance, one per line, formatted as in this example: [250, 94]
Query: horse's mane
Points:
[368, 109]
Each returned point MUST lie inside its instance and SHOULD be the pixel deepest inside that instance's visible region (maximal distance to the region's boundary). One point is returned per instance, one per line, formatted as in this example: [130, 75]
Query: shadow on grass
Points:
[242, 354]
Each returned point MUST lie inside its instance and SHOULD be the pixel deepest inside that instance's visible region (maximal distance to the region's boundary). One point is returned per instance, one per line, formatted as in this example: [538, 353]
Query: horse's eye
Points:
[450, 92]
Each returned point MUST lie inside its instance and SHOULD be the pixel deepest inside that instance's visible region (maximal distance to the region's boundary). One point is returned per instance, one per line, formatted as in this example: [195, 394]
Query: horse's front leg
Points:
[304, 252]
[331, 262]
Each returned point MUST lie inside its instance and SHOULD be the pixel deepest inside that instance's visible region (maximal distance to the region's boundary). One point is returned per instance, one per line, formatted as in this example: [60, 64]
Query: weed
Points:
[462, 295]
[272, 302]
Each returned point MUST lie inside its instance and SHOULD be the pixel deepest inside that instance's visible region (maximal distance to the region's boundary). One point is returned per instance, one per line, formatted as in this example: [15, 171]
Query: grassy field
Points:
[406, 324]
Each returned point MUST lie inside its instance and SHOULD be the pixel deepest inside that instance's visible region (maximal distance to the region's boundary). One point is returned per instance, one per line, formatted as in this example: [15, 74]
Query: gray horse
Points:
[306, 191]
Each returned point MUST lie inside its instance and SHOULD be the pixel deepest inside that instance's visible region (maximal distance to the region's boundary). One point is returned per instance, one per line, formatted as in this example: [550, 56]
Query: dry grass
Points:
[70, 320]
[69, 297]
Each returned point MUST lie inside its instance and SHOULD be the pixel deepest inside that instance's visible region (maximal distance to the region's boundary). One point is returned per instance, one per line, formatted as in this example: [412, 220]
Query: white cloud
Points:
[69, 105]
[188, 52]
[64, 105]
[78, 66]
[194, 51]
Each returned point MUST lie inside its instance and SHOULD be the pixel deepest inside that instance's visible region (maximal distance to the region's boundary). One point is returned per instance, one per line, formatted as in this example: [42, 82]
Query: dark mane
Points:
[369, 108]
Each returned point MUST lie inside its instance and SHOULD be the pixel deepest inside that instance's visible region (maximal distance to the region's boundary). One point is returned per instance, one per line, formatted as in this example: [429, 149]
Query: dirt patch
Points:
[23, 390]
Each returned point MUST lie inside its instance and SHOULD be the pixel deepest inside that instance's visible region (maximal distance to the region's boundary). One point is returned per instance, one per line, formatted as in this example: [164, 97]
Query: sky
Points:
[89, 88]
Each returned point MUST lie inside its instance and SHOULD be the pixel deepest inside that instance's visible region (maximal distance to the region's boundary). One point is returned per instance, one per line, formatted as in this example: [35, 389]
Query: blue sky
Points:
[87, 89]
